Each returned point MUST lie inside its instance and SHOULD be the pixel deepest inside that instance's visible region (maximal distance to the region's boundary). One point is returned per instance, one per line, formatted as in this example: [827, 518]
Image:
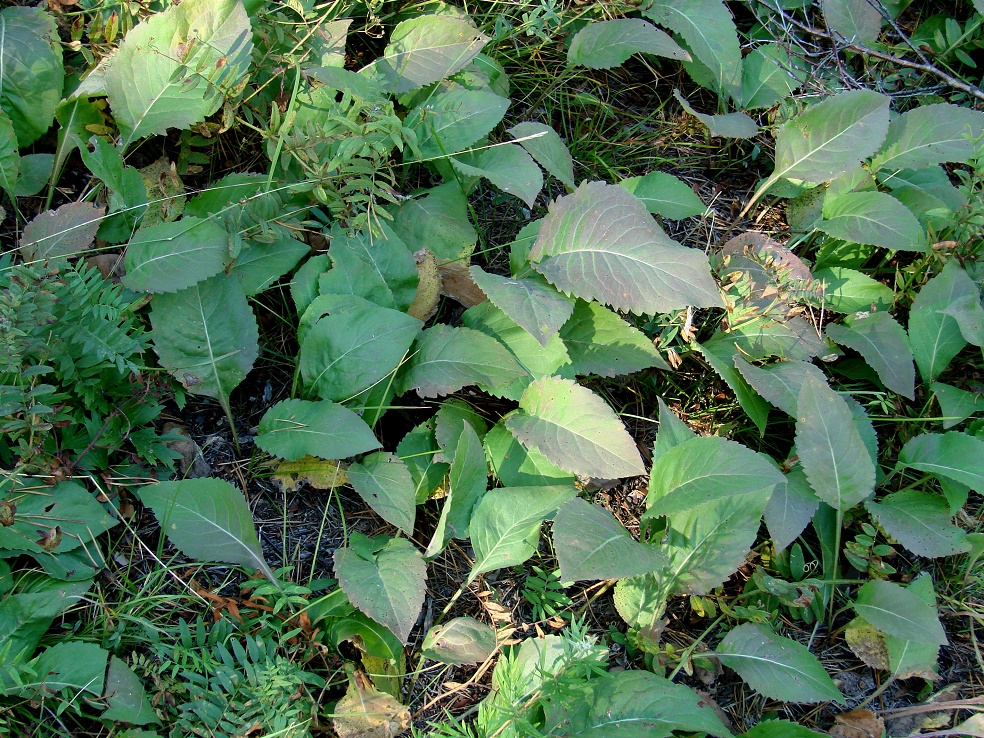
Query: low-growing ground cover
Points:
[527, 368]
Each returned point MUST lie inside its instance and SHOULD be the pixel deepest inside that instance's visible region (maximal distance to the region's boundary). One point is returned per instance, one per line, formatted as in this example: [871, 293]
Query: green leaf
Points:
[935, 336]
[663, 194]
[575, 429]
[68, 230]
[9, 158]
[921, 522]
[351, 275]
[873, 218]
[384, 257]
[172, 256]
[386, 579]
[831, 450]
[768, 75]
[536, 307]
[467, 484]
[67, 505]
[884, 345]
[928, 135]
[899, 612]
[459, 641]
[206, 336]
[600, 342]
[508, 166]
[445, 359]
[907, 659]
[384, 482]
[172, 70]
[829, 138]
[953, 455]
[544, 145]
[206, 519]
[634, 704]
[125, 695]
[609, 43]
[293, 429]
[259, 265]
[26, 616]
[672, 431]
[764, 337]
[453, 120]
[731, 125]
[600, 242]
[969, 314]
[538, 361]
[71, 667]
[591, 544]
[418, 450]
[505, 528]
[35, 173]
[720, 352]
[850, 291]
[852, 20]
[516, 466]
[776, 667]
[709, 30]
[428, 49]
[354, 347]
[956, 405]
[700, 470]
[780, 729]
[790, 508]
[437, 222]
[449, 421]
[31, 72]
[779, 383]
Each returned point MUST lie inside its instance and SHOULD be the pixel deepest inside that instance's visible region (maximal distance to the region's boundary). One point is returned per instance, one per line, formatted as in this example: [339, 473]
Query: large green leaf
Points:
[505, 528]
[428, 49]
[460, 641]
[873, 218]
[467, 484]
[884, 345]
[956, 405]
[25, 616]
[768, 75]
[591, 544]
[935, 336]
[790, 508]
[384, 256]
[729, 125]
[780, 729]
[67, 506]
[206, 336]
[703, 469]
[293, 429]
[600, 342]
[445, 359]
[853, 20]
[536, 307]
[514, 465]
[609, 43]
[709, 30]
[909, 658]
[31, 72]
[849, 291]
[829, 138]
[9, 157]
[353, 347]
[928, 135]
[508, 166]
[418, 450]
[779, 383]
[969, 314]
[633, 704]
[720, 351]
[601, 242]
[437, 222]
[953, 455]
[575, 429]
[125, 696]
[453, 120]
[663, 194]
[206, 519]
[544, 145]
[899, 612]
[384, 482]
[830, 448]
[259, 264]
[672, 431]
[921, 522]
[172, 256]
[172, 70]
[449, 423]
[777, 667]
[385, 578]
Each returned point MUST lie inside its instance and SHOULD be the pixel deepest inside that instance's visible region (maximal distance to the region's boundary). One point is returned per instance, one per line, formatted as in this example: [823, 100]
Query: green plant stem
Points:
[688, 651]
[284, 127]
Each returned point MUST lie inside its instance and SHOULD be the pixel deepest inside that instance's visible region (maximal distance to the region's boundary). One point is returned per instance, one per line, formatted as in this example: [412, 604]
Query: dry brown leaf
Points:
[457, 283]
[867, 643]
[109, 265]
[319, 473]
[424, 305]
[857, 724]
[65, 231]
[365, 712]
[192, 464]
